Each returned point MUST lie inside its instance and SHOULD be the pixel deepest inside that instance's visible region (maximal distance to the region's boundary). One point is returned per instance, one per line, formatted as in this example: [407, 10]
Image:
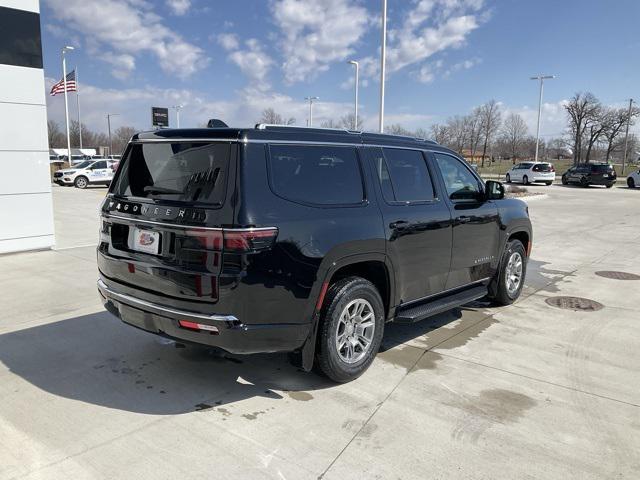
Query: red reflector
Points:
[323, 292]
[249, 240]
[197, 326]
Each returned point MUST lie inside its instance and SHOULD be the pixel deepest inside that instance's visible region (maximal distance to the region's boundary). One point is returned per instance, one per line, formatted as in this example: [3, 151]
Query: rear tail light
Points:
[236, 240]
[553, 169]
[199, 327]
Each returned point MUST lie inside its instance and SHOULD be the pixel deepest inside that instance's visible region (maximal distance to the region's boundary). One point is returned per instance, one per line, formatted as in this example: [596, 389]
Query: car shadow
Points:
[99, 360]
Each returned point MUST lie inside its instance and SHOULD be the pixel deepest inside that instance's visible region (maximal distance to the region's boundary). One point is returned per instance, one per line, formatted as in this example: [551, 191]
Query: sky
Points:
[232, 59]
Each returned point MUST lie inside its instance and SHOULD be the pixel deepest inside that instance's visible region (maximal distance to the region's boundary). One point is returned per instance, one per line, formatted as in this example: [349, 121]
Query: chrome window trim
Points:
[128, 299]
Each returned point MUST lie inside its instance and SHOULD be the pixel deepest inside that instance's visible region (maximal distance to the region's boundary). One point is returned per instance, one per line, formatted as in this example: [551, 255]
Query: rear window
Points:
[188, 172]
[601, 168]
[542, 167]
[316, 175]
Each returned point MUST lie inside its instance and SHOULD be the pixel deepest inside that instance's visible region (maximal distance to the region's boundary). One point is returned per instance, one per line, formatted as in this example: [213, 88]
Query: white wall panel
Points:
[24, 172]
[28, 5]
[25, 215]
[22, 85]
[23, 127]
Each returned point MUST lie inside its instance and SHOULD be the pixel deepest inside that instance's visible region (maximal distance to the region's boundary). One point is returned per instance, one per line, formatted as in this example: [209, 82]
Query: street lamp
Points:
[541, 79]
[109, 115]
[66, 49]
[355, 107]
[383, 61]
[311, 99]
[177, 108]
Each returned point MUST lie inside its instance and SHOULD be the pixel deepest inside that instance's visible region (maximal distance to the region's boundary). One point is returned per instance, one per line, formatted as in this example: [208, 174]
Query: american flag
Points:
[71, 85]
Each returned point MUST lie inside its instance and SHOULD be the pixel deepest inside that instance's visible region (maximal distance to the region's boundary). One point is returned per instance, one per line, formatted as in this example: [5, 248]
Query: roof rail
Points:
[264, 126]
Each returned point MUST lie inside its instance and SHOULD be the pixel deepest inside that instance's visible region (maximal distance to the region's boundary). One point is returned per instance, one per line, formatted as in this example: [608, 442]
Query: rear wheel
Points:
[548, 183]
[631, 183]
[506, 287]
[508, 178]
[584, 182]
[351, 329]
[564, 180]
[525, 180]
[81, 182]
[609, 185]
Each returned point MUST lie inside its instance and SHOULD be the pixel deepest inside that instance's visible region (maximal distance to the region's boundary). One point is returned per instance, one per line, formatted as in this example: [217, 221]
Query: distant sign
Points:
[159, 117]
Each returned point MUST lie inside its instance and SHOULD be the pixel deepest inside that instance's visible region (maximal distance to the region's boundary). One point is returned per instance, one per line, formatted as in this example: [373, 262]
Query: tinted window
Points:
[403, 175]
[460, 183]
[20, 38]
[542, 167]
[601, 168]
[526, 166]
[101, 164]
[189, 172]
[316, 175]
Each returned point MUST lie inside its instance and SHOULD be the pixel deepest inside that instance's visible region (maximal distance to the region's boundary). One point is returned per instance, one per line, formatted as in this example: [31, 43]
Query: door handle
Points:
[398, 225]
[463, 219]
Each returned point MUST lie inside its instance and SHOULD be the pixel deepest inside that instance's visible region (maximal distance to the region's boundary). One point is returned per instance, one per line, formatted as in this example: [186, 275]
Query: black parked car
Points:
[302, 240]
[585, 174]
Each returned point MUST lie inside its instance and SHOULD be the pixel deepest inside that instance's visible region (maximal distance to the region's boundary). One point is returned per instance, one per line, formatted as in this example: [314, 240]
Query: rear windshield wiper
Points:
[162, 190]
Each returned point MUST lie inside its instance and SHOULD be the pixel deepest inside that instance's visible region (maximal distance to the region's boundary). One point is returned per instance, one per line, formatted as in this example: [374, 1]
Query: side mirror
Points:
[494, 190]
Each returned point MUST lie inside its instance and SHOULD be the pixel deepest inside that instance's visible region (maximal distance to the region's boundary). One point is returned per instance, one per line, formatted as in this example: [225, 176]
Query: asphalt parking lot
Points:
[526, 391]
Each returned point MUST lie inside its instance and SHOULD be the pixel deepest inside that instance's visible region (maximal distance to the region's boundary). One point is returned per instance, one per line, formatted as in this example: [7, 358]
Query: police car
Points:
[86, 173]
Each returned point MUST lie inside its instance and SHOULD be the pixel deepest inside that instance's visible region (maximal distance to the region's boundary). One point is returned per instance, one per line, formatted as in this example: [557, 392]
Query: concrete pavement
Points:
[526, 391]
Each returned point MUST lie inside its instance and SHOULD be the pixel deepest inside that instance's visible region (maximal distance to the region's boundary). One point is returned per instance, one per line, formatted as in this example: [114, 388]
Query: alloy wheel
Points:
[354, 334]
[513, 273]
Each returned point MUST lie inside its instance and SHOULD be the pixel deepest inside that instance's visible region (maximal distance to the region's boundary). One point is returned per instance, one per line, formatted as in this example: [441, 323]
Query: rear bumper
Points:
[232, 334]
[543, 177]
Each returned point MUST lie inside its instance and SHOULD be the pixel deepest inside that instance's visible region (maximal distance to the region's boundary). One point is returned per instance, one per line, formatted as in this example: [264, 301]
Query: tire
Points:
[631, 183]
[609, 185]
[508, 178]
[548, 183]
[81, 182]
[525, 180]
[341, 300]
[584, 183]
[502, 290]
[564, 180]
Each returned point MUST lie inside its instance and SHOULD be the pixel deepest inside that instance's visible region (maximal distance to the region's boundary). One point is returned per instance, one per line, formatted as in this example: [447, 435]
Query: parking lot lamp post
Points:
[311, 99]
[626, 136]
[355, 106]
[109, 115]
[540, 78]
[66, 101]
[177, 109]
[383, 62]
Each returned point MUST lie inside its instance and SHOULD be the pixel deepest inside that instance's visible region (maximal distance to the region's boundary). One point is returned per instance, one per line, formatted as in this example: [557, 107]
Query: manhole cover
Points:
[575, 303]
[618, 275]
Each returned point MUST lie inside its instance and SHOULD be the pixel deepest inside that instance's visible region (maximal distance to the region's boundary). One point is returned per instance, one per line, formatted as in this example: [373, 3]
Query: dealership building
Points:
[26, 210]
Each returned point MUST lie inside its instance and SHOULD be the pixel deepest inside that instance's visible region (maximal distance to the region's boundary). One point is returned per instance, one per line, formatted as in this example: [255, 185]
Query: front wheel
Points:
[351, 329]
[631, 183]
[506, 287]
[548, 184]
[564, 180]
[584, 183]
[525, 180]
[81, 182]
[609, 185]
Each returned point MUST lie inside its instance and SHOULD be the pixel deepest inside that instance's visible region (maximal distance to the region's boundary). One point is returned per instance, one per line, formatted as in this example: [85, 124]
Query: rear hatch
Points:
[603, 171]
[162, 221]
[543, 168]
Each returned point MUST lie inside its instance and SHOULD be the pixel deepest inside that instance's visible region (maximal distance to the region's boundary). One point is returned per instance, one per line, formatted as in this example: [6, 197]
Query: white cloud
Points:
[315, 34]
[123, 64]
[429, 27]
[179, 7]
[228, 41]
[253, 62]
[553, 120]
[129, 27]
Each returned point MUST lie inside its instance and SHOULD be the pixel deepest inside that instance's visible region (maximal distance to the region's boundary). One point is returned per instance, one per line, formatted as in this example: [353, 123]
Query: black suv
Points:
[585, 174]
[302, 240]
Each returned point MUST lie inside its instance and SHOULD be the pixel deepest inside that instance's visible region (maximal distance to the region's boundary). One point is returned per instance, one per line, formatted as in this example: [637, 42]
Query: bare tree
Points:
[397, 129]
[270, 116]
[514, 134]
[56, 137]
[458, 133]
[582, 110]
[120, 138]
[617, 121]
[441, 134]
[473, 123]
[489, 114]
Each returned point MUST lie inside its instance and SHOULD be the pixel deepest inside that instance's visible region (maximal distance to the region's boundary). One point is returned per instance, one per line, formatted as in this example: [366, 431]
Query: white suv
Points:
[86, 173]
[633, 180]
[528, 172]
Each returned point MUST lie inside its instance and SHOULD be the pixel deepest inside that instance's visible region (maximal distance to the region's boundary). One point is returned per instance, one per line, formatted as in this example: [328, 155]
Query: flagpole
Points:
[66, 101]
[78, 103]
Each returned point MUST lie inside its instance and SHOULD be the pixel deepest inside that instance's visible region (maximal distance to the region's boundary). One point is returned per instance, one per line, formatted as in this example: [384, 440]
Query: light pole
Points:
[383, 61]
[355, 106]
[311, 99]
[66, 101]
[540, 78]
[177, 109]
[626, 136]
[109, 115]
